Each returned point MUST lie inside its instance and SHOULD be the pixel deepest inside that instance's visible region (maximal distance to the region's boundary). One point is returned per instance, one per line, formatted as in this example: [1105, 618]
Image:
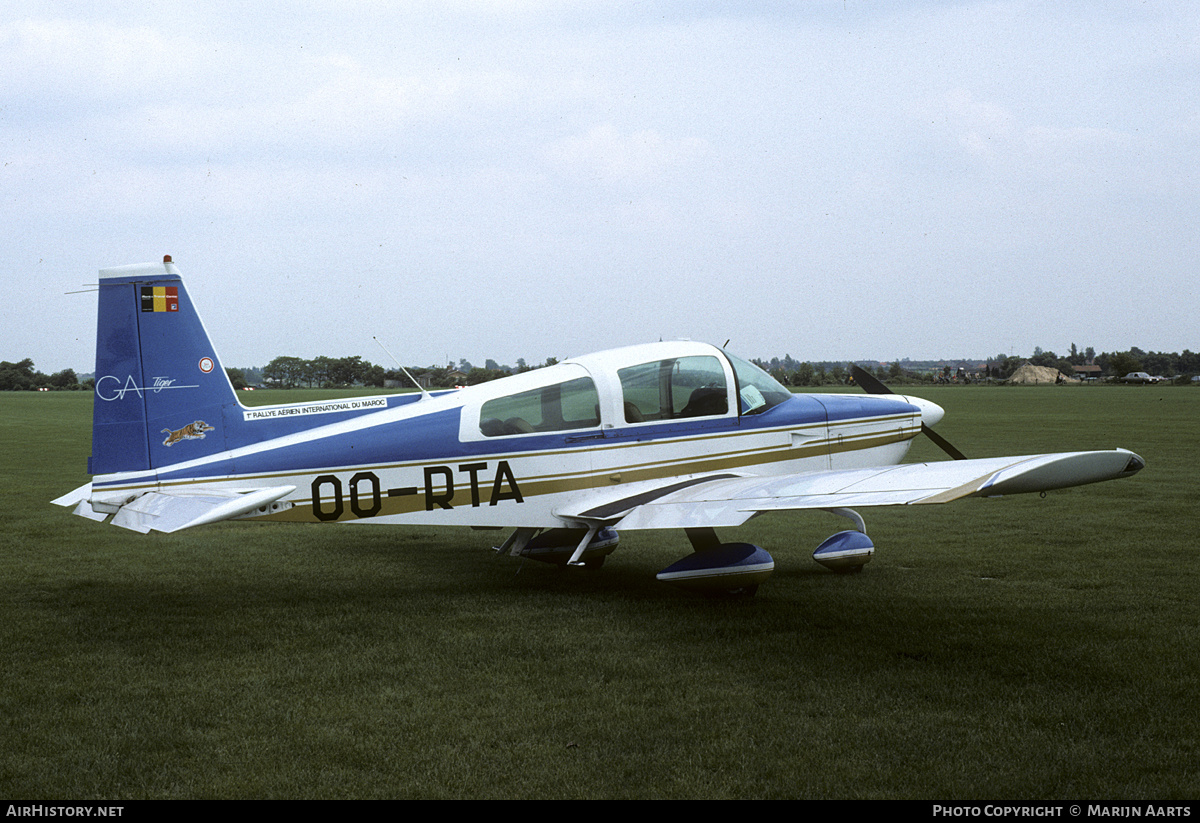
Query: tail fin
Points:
[158, 379]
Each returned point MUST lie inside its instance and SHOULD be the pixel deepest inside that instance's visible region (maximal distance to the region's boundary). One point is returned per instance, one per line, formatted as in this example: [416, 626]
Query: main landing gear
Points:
[717, 568]
[739, 568]
[560, 546]
[713, 568]
[846, 552]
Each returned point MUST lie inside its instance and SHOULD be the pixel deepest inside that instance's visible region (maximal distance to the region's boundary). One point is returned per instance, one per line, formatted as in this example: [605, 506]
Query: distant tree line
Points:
[289, 372]
[328, 372]
[22, 377]
[792, 372]
[335, 372]
[1112, 364]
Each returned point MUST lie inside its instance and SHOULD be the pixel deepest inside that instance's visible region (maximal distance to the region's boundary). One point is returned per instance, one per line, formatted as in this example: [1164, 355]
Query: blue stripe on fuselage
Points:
[433, 437]
[428, 438]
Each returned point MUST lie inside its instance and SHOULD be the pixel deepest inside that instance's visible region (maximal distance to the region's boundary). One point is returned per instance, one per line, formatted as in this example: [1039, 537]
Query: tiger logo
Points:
[192, 431]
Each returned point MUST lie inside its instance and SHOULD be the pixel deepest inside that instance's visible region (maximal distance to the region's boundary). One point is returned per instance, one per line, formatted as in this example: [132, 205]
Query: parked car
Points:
[1138, 377]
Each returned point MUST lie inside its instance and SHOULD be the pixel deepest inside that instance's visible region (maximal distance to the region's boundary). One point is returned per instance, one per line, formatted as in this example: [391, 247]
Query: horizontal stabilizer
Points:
[172, 511]
[71, 498]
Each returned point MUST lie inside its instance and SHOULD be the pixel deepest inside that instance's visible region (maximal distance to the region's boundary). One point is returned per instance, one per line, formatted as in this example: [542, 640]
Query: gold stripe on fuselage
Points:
[899, 428]
[550, 484]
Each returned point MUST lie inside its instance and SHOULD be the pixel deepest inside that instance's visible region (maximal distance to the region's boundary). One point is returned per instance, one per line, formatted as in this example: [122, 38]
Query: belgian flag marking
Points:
[160, 298]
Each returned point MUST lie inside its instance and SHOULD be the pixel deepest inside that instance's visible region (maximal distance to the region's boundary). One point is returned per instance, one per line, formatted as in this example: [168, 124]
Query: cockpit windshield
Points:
[757, 390]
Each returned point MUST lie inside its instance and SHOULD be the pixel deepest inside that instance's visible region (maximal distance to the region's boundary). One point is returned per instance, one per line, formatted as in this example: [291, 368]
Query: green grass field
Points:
[1024, 648]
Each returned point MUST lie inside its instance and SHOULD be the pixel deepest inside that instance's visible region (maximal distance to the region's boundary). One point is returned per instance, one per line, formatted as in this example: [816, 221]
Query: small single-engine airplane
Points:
[669, 435]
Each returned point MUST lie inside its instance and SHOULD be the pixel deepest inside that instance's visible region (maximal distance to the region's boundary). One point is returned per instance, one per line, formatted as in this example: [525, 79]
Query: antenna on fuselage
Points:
[420, 388]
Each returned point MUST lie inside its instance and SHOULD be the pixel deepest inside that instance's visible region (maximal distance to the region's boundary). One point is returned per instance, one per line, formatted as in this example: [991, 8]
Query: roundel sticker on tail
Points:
[206, 364]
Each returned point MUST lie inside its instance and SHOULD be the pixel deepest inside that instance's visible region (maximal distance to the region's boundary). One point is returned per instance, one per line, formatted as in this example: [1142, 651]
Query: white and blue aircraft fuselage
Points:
[657, 436]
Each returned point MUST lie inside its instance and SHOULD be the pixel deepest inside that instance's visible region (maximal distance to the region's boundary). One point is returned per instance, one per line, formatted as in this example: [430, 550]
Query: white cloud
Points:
[605, 153]
[824, 149]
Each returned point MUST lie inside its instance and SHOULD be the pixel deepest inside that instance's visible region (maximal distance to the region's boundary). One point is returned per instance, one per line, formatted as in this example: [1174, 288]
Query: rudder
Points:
[159, 382]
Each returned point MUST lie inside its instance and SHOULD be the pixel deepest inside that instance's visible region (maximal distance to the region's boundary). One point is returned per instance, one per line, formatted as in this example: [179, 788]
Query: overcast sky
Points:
[523, 179]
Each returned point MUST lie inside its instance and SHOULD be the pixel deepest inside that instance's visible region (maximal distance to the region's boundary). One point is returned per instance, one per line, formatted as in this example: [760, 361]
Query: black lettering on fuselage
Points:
[504, 475]
[357, 495]
[336, 493]
[504, 485]
[446, 496]
[473, 469]
[366, 492]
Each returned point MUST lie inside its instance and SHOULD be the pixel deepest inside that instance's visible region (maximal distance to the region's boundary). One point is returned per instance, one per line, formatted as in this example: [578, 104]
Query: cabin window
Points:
[560, 407]
[674, 388]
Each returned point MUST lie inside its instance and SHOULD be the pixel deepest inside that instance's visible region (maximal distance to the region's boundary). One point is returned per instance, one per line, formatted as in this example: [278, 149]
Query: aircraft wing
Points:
[171, 511]
[728, 500]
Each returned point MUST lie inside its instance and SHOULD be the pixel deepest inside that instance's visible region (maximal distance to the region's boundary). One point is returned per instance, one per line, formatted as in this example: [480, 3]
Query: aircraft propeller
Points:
[872, 385]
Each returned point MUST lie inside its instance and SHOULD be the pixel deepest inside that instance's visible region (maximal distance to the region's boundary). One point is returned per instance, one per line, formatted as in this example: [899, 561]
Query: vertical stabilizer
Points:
[161, 394]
